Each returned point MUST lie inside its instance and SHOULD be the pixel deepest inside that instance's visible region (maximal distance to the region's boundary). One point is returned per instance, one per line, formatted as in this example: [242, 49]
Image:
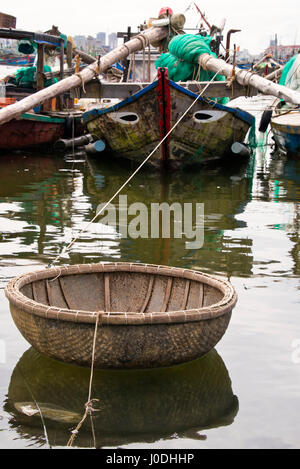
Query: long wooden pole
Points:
[87, 58]
[246, 78]
[137, 43]
[153, 34]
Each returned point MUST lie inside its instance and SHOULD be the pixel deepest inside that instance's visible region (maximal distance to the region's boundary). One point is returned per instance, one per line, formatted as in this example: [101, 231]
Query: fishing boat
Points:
[16, 60]
[31, 130]
[139, 315]
[285, 125]
[284, 117]
[37, 129]
[134, 127]
[43, 125]
[202, 129]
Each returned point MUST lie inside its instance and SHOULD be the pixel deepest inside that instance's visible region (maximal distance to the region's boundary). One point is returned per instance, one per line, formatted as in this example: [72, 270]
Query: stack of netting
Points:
[182, 59]
[26, 77]
[291, 73]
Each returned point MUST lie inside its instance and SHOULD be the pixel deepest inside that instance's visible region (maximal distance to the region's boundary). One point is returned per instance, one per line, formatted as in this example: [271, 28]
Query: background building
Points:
[81, 42]
[101, 37]
[96, 45]
[244, 56]
[280, 52]
[112, 41]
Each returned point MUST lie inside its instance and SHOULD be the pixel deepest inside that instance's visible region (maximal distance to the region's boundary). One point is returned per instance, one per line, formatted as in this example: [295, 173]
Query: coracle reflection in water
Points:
[134, 406]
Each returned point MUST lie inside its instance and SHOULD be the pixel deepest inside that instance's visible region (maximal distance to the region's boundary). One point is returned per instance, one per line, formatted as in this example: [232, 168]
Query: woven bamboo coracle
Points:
[148, 316]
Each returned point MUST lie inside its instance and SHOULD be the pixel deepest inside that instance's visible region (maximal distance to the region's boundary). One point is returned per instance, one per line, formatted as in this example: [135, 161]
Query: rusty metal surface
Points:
[18, 134]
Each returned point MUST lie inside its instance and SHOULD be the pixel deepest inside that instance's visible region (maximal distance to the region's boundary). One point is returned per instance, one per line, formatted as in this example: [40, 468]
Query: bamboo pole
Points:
[87, 58]
[248, 78]
[69, 53]
[13, 111]
[40, 67]
[256, 64]
[154, 34]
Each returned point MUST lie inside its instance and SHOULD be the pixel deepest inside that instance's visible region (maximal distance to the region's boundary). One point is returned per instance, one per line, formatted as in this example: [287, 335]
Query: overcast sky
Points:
[259, 20]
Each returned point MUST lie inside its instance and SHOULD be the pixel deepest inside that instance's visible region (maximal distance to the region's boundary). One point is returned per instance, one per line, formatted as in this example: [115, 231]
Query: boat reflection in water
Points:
[135, 406]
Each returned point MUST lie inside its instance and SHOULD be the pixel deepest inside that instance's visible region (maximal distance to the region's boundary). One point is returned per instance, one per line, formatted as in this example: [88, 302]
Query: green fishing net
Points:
[285, 72]
[291, 73]
[65, 38]
[252, 141]
[26, 77]
[182, 60]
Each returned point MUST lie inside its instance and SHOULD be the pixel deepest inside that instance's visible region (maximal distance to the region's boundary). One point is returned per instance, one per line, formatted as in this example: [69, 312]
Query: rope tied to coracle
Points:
[89, 408]
[88, 411]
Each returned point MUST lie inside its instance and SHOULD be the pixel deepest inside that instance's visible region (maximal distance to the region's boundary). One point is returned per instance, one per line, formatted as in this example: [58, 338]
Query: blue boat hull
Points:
[286, 131]
[290, 143]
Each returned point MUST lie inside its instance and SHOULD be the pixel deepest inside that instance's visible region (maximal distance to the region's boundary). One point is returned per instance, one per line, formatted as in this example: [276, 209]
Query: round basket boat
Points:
[148, 316]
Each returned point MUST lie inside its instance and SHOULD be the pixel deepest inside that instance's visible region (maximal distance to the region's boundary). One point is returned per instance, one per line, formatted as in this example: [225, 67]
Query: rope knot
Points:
[82, 81]
[204, 61]
[89, 406]
[144, 40]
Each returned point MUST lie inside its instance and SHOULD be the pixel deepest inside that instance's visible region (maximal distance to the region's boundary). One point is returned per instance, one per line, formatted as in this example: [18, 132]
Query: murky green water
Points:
[245, 394]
